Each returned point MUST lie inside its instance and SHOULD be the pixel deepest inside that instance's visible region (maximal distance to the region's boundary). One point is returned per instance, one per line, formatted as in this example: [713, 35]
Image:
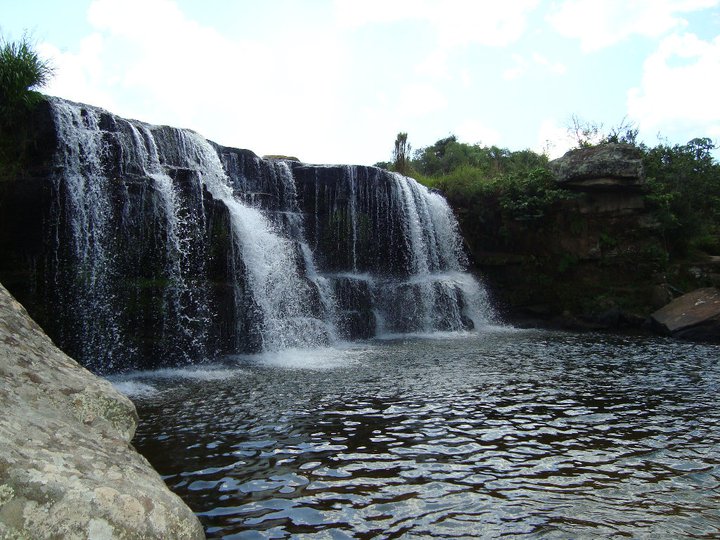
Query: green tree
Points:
[684, 190]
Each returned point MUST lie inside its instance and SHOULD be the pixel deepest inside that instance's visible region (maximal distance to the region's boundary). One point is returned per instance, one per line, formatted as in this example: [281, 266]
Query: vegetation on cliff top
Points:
[682, 188]
[544, 249]
[21, 72]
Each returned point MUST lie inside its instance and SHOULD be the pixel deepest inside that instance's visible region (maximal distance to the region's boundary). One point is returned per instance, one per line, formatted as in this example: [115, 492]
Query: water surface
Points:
[497, 434]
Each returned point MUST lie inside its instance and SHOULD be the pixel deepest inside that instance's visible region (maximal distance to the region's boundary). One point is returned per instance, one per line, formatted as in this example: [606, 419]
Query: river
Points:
[500, 433]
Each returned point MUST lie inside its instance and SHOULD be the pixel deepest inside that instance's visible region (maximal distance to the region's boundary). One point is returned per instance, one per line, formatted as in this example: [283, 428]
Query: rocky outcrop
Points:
[694, 316]
[593, 258]
[67, 469]
[601, 168]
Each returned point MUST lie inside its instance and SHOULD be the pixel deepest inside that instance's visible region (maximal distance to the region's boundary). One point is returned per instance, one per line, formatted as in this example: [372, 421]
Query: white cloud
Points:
[417, 100]
[553, 67]
[473, 132]
[521, 66]
[553, 139]
[434, 65]
[599, 24]
[78, 75]
[455, 22]
[679, 89]
[146, 59]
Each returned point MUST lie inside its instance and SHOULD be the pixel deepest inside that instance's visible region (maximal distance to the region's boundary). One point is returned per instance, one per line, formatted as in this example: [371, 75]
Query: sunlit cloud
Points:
[519, 67]
[316, 88]
[557, 68]
[522, 65]
[146, 59]
[435, 65]
[454, 22]
[679, 89]
[600, 24]
[417, 100]
[475, 132]
[553, 139]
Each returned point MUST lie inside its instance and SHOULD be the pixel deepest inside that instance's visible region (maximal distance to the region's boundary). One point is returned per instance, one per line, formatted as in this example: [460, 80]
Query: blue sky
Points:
[333, 81]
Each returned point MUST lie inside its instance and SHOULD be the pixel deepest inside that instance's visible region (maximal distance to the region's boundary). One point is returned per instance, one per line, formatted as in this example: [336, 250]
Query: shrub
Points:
[21, 72]
[684, 192]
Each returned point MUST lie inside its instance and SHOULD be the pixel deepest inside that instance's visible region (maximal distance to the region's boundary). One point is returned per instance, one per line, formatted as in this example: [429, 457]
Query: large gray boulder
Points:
[605, 167]
[694, 316]
[67, 468]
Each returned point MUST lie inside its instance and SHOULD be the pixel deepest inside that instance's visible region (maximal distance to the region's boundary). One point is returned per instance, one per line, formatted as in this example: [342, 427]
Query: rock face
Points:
[595, 255]
[67, 469]
[694, 316]
[601, 168]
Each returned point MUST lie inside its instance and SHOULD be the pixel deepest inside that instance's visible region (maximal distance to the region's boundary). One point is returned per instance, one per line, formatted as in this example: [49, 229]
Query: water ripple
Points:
[499, 435]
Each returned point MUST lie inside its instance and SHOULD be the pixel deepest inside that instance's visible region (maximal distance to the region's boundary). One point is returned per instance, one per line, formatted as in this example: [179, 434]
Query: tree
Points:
[584, 133]
[587, 134]
[684, 190]
[625, 132]
[21, 72]
[401, 154]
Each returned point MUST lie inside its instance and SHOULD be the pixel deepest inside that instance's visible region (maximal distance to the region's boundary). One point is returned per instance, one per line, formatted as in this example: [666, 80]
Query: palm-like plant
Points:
[21, 72]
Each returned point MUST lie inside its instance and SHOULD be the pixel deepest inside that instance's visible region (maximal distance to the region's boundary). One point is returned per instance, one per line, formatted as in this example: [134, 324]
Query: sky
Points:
[334, 81]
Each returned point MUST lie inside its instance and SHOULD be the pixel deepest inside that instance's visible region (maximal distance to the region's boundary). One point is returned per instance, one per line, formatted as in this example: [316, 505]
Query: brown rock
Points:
[694, 316]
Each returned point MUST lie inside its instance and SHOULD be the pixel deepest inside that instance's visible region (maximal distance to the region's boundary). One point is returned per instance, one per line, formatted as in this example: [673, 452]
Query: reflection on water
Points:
[490, 435]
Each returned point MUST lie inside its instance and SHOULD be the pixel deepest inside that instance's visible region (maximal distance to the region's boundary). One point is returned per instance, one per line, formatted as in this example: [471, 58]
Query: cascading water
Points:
[169, 248]
[183, 305]
[88, 298]
[397, 264]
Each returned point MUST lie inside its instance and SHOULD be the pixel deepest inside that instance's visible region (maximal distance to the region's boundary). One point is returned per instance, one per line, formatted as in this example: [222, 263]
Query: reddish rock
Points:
[694, 316]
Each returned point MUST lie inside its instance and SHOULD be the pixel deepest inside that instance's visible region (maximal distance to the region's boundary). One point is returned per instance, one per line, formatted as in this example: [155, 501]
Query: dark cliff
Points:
[595, 259]
[136, 245]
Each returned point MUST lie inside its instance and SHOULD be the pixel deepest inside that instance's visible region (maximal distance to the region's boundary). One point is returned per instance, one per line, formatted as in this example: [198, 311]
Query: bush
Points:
[21, 71]
[684, 193]
[486, 179]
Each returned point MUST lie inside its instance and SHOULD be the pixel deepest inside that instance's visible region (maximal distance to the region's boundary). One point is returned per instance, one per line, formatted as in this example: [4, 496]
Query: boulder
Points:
[67, 468]
[694, 316]
[606, 167]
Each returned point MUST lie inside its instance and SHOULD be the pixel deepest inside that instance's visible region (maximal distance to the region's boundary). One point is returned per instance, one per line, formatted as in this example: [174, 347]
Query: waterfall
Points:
[391, 249]
[168, 248]
[90, 298]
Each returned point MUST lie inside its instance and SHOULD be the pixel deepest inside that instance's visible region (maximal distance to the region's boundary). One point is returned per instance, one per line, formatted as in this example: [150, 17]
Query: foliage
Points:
[684, 192]
[21, 71]
[587, 134]
[488, 178]
[584, 133]
[491, 183]
[447, 154]
[529, 196]
[683, 184]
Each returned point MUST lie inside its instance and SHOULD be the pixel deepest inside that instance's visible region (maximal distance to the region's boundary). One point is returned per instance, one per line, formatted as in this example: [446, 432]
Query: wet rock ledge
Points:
[67, 468]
